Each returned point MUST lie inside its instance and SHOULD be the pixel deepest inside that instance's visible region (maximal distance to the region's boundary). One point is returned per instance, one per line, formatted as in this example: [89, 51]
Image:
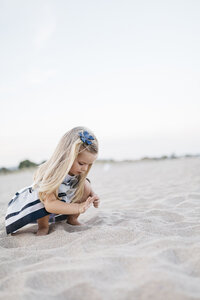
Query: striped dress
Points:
[25, 207]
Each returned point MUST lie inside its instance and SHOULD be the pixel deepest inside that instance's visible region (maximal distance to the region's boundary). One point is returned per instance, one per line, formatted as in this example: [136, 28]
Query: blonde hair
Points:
[51, 173]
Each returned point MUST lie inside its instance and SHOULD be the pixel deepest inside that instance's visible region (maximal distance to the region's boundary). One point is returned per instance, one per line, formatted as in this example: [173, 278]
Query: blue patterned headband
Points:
[85, 137]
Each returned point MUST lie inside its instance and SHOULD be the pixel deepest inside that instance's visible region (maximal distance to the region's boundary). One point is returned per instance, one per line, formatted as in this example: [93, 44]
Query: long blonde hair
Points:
[51, 173]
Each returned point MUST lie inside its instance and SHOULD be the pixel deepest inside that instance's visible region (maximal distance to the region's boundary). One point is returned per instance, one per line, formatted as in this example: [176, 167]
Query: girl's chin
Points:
[70, 173]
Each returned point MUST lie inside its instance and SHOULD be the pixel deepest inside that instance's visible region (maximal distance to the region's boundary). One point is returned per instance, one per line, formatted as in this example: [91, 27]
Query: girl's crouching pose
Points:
[61, 189]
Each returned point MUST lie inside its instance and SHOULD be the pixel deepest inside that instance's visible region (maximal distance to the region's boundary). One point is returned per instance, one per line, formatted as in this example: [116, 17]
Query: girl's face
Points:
[82, 162]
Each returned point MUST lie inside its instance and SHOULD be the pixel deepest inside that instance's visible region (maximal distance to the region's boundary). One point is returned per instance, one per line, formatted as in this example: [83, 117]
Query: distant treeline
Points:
[22, 165]
[25, 164]
[163, 157]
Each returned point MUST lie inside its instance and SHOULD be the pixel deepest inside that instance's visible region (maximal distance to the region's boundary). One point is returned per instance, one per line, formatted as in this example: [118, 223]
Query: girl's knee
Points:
[87, 191]
[87, 188]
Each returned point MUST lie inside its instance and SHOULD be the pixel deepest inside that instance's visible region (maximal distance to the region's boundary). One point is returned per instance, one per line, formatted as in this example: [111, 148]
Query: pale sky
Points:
[129, 70]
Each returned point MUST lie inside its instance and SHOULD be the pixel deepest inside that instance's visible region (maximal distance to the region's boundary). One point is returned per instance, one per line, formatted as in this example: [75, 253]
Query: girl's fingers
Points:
[95, 197]
[91, 200]
[96, 201]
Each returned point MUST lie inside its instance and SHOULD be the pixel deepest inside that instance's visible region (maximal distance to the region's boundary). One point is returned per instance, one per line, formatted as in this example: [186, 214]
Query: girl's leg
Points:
[72, 219]
[43, 225]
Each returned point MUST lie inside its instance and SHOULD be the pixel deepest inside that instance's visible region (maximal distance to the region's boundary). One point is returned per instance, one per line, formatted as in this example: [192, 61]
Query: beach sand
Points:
[143, 242]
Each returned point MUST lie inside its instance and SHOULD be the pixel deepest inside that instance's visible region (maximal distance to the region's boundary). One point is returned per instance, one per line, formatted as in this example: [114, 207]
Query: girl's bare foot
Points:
[43, 231]
[73, 221]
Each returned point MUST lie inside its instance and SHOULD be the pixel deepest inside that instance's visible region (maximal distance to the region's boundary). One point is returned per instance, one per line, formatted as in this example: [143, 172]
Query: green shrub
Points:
[26, 164]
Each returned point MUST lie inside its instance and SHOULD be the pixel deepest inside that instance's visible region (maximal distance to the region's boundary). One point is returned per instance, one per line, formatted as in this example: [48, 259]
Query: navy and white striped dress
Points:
[25, 207]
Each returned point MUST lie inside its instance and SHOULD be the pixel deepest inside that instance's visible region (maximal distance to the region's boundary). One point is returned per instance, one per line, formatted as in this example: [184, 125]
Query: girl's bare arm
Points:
[55, 206]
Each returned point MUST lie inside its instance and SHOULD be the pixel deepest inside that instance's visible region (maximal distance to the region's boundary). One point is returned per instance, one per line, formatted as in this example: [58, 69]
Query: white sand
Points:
[142, 243]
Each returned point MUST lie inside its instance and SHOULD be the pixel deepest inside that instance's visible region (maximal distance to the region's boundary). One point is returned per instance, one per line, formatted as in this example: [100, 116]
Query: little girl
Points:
[60, 189]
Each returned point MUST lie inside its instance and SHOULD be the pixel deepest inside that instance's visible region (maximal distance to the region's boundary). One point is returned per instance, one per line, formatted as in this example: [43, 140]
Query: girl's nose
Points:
[84, 168]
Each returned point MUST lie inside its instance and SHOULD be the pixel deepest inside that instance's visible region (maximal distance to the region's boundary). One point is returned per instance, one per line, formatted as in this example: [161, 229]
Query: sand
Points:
[142, 243]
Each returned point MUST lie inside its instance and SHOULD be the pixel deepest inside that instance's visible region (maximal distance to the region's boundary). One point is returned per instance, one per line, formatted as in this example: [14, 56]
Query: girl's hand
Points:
[96, 201]
[85, 205]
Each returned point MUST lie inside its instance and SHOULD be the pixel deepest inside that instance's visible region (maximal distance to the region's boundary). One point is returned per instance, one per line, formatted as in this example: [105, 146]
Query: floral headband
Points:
[85, 137]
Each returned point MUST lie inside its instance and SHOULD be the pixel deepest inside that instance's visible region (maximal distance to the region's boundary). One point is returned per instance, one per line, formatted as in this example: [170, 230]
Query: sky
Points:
[128, 70]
